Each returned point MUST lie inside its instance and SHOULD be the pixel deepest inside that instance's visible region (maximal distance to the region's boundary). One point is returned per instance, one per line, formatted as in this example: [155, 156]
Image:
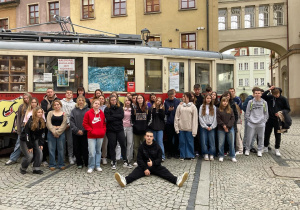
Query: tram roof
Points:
[132, 49]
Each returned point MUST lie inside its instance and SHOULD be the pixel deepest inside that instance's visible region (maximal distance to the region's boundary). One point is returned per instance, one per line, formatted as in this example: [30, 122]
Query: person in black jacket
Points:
[157, 123]
[32, 141]
[276, 102]
[149, 162]
[114, 115]
[81, 92]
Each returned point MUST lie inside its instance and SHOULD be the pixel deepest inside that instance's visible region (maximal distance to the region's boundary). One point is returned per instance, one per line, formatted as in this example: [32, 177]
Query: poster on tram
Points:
[65, 66]
[174, 75]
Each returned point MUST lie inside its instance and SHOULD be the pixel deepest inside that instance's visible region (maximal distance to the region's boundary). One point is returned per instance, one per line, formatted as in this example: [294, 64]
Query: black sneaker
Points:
[253, 150]
[38, 172]
[22, 171]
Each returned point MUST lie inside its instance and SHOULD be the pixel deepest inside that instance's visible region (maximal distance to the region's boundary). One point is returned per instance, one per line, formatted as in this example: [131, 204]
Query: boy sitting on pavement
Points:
[149, 162]
[256, 116]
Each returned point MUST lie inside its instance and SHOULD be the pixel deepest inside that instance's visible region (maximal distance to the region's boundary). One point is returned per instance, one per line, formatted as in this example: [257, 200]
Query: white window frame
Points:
[246, 66]
[255, 51]
[256, 81]
[246, 81]
[240, 66]
[255, 67]
[241, 82]
[262, 65]
[262, 81]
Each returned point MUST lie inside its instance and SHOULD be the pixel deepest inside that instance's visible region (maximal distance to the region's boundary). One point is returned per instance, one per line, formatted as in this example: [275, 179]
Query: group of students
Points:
[200, 123]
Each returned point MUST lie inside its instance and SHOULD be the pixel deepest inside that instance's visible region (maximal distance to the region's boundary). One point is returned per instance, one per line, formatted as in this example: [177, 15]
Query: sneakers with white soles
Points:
[120, 179]
[233, 160]
[221, 159]
[247, 152]
[181, 179]
[206, 157]
[90, 170]
[135, 164]
[127, 165]
[99, 169]
[211, 158]
[277, 153]
[265, 149]
[259, 153]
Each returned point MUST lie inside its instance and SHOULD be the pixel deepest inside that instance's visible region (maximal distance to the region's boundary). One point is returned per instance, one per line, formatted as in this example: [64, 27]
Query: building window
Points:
[6, 1]
[263, 16]
[87, 9]
[243, 52]
[154, 39]
[255, 65]
[187, 4]
[256, 81]
[241, 82]
[34, 14]
[152, 6]
[4, 23]
[188, 41]
[202, 74]
[240, 66]
[224, 77]
[262, 51]
[53, 10]
[246, 81]
[59, 73]
[235, 18]
[176, 76]
[246, 66]
[255, 51]
[111, 74]
[249, 17]
[119, 7]
[222, 19]
[153, 75]
[262, 81]
[278, 14]
[262, 65]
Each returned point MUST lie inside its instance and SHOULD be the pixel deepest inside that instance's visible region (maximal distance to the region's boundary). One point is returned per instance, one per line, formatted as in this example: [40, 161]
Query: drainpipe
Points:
[207, 23]
[288, 46]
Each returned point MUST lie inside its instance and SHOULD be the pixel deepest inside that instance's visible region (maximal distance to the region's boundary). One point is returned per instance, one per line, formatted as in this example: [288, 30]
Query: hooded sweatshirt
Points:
[67, 107]
[76, 119]
[257, 113]
[114, 117]
[94, 124]
[139, 120]
[145, 152]
[186, 118]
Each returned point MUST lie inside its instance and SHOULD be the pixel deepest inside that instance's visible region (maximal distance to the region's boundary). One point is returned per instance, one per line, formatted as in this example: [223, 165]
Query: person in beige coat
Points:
[186, 125]
[56, 124]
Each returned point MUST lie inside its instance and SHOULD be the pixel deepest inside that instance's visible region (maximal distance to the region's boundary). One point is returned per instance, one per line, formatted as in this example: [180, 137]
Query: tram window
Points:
[202, 74]
[153, 75]
[224, 77]
[176, 76]
[111, 74]
[59, 73]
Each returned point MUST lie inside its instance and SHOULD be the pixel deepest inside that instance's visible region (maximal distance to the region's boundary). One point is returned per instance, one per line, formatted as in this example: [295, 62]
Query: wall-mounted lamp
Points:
[170, 40]
[200, 28]
[145, 35]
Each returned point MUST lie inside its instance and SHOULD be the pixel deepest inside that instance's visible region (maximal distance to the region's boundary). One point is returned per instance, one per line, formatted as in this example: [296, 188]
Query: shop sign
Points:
[130, 86]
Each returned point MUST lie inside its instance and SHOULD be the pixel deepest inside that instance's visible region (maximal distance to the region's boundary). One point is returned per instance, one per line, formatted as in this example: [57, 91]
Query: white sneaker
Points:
[233, 160]
[127, 165]
[181, 179]
[99, 169]
[266, 149]
[104, 161]
[45, 164]
[247, 152]
[90, 170]
[71, 161]
[239, 153]
[120, 179]
[221, 159]
[10, 162]
[206, 157]
[259, 153]
[277, 153]
[113, 167]
[211, 158]
[135, 164]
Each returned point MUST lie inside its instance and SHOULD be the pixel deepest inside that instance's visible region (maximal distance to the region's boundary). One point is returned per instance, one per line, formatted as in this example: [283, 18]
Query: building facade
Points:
[8, 13]
[252, 69]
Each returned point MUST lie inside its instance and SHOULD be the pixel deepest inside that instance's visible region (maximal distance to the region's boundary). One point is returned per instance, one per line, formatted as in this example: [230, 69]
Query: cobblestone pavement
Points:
[248, 184]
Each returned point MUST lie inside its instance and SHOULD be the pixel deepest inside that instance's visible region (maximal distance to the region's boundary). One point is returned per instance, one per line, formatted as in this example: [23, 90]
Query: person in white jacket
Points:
[67, 106]
[186, 125]
[208, 123]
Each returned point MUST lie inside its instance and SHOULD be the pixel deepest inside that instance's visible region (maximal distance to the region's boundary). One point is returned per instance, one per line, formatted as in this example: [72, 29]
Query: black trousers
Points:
[172, 147]
[45, 147]
[197, 146]
[113, 137]
[272, 123]
[80, 144]
[160, 171]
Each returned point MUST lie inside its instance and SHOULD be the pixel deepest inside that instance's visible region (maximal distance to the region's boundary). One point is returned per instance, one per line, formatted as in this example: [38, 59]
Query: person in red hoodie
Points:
[94, 123]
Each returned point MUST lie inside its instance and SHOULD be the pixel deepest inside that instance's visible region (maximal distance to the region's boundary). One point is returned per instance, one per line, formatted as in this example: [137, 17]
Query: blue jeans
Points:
[95, 152]
[222, 135]
[17, 151]
[158, 137]
[207, 138]
[60, 144]
[186, 144]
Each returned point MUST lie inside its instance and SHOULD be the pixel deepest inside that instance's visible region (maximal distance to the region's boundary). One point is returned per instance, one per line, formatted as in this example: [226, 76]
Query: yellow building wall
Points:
[9, 13]
[103, 19]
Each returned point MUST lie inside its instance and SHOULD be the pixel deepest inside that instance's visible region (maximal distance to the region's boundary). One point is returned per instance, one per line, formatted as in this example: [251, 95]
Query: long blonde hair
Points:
[37, 123]
[25, 106]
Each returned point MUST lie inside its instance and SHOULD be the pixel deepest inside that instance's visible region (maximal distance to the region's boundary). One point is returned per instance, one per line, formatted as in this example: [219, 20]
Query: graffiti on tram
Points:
[8, 114]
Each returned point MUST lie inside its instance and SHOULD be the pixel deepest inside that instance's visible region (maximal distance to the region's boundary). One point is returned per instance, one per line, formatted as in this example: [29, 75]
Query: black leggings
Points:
[80, 144]
[160, 171]
[113, 137]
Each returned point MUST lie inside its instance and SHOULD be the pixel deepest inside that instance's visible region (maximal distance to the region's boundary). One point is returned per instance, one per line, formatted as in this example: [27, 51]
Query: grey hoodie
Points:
[76, 118]
[257, 113]
[67, 107]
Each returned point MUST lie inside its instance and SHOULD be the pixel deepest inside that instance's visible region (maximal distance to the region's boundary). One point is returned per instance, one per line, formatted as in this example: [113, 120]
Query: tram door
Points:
[202, 75]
